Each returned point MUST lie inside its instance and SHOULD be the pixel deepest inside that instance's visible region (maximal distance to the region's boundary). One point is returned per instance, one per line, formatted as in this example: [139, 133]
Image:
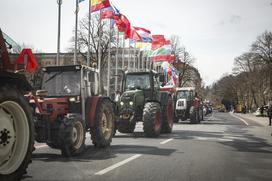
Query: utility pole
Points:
[59, 21]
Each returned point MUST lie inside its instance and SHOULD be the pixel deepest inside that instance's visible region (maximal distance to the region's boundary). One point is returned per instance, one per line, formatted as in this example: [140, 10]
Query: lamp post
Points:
[59, 18]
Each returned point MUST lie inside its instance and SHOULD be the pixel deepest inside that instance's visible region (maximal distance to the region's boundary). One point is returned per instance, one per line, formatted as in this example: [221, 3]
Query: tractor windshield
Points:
[184, 94]
[62, 83]
[137, 81]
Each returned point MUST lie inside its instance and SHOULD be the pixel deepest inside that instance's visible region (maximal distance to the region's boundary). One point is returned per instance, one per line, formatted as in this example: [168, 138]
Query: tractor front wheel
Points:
[103, 130]
[152, 119]
[16, 134]
[167, 117]
[72, 136]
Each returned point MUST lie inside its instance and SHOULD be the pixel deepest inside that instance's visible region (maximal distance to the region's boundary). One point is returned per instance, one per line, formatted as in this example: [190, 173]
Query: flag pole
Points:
[134, 58]
[76, 24]
[89, 34]
[116, 61]
[59, 22]
[109, 61]
[99, 52]
[123, 52]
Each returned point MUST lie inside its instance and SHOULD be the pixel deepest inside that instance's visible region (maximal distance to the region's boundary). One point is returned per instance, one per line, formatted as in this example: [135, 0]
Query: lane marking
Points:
[41, 146]
[166, 141]
[102, 172]
[241, 119]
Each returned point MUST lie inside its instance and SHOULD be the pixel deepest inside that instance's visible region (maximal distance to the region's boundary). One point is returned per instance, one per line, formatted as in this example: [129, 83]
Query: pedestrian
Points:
[269, 111]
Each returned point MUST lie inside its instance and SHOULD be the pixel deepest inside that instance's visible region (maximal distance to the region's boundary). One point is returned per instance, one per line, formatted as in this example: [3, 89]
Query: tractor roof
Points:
[68, 68]
[140, 71]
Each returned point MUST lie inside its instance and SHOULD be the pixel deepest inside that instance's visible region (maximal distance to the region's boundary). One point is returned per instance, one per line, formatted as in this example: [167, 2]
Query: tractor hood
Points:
[131, 98]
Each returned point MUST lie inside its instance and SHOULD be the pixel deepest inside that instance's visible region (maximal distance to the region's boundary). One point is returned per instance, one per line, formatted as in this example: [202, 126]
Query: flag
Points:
[110, 13]
[134, 35]
[160, 58]
[32, 64]
[158, 41]
[123, 25]
[97, 5]
[144, 33]
[164, 50]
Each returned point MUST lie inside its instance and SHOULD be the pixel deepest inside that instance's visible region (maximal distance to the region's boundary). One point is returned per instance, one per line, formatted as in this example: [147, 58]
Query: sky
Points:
[213, 31]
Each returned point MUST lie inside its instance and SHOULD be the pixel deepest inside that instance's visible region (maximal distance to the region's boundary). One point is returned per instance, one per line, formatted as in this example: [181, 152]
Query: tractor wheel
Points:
[167, 117]
[126, 127]
[72, 135]
[103, 130]
[152, 119]
[194, 117]
[16, 134]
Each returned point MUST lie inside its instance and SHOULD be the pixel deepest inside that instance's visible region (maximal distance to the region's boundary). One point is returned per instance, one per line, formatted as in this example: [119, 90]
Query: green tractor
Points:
[142, 100]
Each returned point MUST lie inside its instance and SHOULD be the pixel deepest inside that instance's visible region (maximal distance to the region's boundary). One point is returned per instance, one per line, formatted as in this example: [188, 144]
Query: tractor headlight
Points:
[121, 103]
[72, 99]
[131, 103]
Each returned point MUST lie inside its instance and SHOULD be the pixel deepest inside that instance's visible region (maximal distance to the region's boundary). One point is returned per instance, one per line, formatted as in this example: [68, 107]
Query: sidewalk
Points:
[261, 120]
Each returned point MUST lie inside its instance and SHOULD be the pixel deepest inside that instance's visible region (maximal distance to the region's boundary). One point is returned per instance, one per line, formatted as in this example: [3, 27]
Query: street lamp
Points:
[59, 18]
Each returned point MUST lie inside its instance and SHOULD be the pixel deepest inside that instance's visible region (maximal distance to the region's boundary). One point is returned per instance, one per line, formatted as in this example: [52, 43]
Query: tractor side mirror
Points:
[162, 78]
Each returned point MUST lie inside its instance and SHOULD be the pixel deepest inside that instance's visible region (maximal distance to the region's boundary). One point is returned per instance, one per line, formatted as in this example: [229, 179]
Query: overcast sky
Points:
[213, 31]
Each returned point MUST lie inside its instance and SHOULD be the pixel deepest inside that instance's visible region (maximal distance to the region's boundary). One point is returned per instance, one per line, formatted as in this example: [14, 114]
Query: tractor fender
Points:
[91, 105]
[17, 80]
[165, 96]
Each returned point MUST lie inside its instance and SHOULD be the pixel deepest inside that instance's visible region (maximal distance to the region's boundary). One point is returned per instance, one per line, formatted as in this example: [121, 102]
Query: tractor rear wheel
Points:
[126, 127]
[103, 130]
[72, 135]
[16, 134]
[152, 119]
[167, 117]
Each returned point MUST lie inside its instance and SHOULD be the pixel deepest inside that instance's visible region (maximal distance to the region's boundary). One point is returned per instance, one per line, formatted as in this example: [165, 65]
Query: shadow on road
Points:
[239, 139]
[92, 153]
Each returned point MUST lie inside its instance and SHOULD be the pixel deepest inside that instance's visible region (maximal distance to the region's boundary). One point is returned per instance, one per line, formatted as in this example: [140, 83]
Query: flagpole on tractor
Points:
[123, 52]
[109, 61]
[76, 24]
[89, 34]
[59, 22]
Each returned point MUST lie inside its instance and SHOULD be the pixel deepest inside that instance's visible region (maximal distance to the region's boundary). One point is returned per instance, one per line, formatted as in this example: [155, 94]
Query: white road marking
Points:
[212, 139]
[41, 146]
[239, 118]
[166, 141]
[102, 172]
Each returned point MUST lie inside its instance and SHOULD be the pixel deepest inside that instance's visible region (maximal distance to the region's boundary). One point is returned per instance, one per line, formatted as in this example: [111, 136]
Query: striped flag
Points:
[97, 5]
[144, 33]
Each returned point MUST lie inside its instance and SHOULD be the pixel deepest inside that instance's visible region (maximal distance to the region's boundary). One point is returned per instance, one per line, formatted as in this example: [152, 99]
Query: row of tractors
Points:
[69, 105]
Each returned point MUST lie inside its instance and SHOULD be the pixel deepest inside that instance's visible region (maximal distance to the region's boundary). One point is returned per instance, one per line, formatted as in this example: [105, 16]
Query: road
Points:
[222, 147]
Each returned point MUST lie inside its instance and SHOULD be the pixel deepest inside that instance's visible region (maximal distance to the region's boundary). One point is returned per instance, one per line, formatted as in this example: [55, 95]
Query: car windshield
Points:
[137, 82]
[183, 94]
[62, 83]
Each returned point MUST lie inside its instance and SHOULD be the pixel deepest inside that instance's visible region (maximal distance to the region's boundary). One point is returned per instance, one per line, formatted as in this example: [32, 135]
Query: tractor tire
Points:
[176, 119]
[16, 134]
[152, 119]
[72, 135]
[126, 127]
[167, 117]
[194, 117]
[103, 130]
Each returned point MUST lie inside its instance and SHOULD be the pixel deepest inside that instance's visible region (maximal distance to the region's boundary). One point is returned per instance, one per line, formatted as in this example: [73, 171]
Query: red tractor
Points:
[68, 106]
[16, 124]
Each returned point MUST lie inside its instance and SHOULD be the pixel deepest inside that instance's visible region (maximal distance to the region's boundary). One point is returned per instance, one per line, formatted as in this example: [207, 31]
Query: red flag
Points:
[31, 65]
[134, 35]
[123, 25]
[110, 13]
[97, 5]
[158, 41]
[163, 58]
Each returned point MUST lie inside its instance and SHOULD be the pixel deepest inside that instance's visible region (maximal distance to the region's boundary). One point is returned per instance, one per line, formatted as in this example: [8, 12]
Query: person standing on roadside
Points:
[269, 111]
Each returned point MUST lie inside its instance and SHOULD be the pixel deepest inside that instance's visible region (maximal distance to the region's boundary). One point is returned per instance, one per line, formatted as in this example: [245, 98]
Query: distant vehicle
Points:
[260, 113]
[187, 105]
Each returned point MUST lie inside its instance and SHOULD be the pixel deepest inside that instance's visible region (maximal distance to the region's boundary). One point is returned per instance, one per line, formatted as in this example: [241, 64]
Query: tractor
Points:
[16, 124]
[187, 105]
[68, 106]
[142, 100]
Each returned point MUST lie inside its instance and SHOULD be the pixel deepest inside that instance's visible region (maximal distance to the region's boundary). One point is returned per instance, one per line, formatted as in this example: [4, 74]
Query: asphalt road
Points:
[222, 147]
